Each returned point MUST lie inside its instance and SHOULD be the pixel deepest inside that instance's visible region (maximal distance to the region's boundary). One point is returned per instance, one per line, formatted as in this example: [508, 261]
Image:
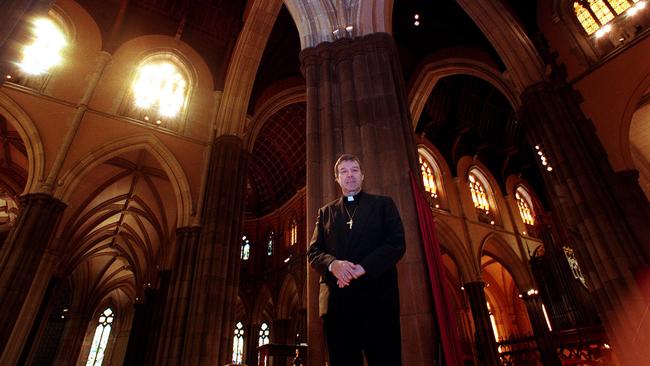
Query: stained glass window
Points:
[585, 18]
[525, 208]
[428, 178]
[479, 195]
[293, 229]
[245, 248]
[601, 10]
[619, 6]
[45, 49]
[238, 344]
[269, 243]
[159, 90]
[100, 340]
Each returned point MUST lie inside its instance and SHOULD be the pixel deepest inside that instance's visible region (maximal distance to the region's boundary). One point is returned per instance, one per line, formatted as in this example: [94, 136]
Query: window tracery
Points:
[264, 335]
[479, 195]
[428, 178]
[431, 178]
[238, 344]
[100, 339]
[482, 196]
[585, 18]
[525, 207]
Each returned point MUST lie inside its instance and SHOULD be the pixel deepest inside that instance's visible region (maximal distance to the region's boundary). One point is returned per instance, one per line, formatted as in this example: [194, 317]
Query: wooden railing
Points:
[577, 347]
[518, 350]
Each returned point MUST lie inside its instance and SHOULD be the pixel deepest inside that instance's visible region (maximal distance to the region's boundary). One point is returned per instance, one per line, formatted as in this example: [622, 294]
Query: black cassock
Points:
[365, 315]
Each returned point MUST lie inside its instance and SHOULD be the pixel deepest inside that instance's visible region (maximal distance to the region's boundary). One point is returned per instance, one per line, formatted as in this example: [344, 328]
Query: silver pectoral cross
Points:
[350, 223]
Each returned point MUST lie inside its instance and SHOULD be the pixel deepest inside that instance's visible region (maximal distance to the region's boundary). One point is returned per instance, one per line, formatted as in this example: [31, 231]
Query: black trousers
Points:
[373, 333]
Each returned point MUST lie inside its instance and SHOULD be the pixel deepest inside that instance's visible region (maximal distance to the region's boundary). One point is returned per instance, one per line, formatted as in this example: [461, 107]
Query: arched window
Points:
[428, 178]
[293, 230]
[431, 177]
[100, 340]
[525, 206]
[264, 335]
[238, 344]
[585, 18]
[159, 91]
[481, 196]
[245, 248]
[41, 53]
[269, 243]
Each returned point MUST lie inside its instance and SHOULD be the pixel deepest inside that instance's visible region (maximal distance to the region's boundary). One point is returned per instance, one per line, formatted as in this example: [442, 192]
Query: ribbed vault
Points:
[118, 228]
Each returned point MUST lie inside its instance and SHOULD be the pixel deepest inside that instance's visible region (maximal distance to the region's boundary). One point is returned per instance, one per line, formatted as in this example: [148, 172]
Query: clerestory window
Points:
[100, 340]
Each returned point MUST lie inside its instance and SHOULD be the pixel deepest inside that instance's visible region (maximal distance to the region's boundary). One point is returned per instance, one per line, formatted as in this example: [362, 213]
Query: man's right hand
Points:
[343, 271]
[346, 271]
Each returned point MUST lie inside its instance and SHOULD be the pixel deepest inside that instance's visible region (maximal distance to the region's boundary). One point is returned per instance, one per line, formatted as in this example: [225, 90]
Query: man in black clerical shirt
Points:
[356, 244]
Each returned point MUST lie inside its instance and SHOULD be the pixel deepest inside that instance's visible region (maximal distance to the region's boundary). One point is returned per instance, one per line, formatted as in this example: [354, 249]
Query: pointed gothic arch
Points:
[453, 62]
[152, 145]
[451, 245]
[288, 297]
[28, 132]
[494, 245]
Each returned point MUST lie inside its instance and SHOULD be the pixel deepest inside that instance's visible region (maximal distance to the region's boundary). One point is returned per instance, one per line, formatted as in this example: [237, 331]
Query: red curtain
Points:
[444, 312]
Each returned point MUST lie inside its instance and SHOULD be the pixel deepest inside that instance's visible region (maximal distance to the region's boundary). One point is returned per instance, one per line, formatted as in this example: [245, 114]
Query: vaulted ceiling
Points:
[118, 228]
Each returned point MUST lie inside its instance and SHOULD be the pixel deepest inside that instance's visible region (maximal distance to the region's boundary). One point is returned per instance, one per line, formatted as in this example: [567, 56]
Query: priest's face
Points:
[349, 177]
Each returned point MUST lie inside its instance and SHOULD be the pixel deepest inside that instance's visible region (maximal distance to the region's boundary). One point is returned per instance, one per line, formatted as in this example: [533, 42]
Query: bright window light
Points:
[45, 50]
[160, 86]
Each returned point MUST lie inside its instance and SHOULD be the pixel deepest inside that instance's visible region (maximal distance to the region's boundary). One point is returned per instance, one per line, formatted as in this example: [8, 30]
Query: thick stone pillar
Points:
[145, 328]
[216, 271]
[545, 345]
[486, 345]
[174, 322]
[356, 103]
[611, 251]
[20, 257]
[73, 337]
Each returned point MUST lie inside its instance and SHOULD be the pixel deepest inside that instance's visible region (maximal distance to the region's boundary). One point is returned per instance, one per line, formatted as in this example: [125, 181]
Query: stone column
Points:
[20, 257]
[545, 344]
[486, 345]
[580, 189]
[216, 272]
[356, 103]
[147, 322]
[174, 321]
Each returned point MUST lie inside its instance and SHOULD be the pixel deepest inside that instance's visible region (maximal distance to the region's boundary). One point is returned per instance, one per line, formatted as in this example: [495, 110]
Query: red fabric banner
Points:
[444, 312]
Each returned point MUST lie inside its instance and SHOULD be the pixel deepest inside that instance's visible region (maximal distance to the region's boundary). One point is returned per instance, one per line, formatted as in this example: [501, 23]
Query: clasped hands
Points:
[346, 271]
